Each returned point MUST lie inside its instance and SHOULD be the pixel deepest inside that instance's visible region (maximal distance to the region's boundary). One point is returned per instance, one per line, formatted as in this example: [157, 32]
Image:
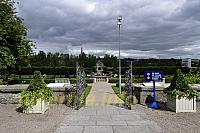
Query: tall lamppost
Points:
[119, 25]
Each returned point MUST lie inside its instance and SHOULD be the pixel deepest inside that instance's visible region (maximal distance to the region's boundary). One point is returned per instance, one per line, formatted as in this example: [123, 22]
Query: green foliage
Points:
[88, 80]
[14, 46]
[179, 87]
[6, 58]
[115, 80]
[193, 78]
[36, 89]
[48, 70]
[27, 81]
[168, 79]
[87, 90]
[72, 98]
[1, 81]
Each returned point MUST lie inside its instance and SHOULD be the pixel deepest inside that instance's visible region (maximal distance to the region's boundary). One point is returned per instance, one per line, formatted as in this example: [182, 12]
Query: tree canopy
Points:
[14, 45]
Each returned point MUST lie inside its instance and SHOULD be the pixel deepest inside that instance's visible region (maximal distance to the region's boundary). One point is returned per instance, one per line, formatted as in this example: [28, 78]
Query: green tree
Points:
[14, 46]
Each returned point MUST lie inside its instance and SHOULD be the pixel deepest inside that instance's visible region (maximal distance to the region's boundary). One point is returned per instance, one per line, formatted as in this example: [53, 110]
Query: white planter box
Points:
[39, 108]
[182, 105]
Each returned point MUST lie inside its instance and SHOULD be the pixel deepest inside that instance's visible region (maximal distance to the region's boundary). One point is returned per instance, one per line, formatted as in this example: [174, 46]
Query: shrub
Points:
[27, 81]
[115, 80]
[138, 80]
[193, 78]
[88, 80]
[179, 87]
[37, 89]
[1, 81]
[48, 70]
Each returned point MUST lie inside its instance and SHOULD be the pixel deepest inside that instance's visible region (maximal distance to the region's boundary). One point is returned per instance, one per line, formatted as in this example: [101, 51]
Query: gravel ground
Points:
[172, 122]
[12, 121]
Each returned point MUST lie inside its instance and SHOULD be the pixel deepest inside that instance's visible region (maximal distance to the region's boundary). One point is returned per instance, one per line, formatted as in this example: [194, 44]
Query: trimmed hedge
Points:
[47, 81]
[48, 70]
[73, 80]
[27, 81]
[168, 79]
[115, 80]
[168, 70]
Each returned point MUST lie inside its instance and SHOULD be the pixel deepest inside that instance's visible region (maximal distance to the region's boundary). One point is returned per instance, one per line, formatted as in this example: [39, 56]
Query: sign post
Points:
[153, 76]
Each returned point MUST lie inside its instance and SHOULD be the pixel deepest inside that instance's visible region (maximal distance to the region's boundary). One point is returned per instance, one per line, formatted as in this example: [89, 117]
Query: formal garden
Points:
[41, 89]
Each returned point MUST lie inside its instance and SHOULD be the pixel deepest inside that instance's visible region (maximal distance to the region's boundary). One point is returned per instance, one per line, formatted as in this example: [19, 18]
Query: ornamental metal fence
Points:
[129, 88]
[76, 97]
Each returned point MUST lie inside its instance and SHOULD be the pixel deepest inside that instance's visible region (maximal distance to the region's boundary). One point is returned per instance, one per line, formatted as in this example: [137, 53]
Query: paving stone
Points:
[69, 129]
[108, 118]
[144, 123]
[77, 117]
[111, 123]
[107, 112]
[126, 117]
[100, 117]
[98, 129]
[133, 129]
[79, 123]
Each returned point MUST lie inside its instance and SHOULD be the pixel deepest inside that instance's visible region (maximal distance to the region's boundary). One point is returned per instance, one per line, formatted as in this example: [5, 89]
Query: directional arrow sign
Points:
[156, 75]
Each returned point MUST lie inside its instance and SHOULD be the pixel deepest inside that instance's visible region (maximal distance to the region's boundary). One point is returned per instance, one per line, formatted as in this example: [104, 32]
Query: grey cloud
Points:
[150, 27]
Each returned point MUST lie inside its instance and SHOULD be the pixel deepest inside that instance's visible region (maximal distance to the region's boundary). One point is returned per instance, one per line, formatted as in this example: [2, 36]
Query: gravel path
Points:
[172, 122]
[12, 121]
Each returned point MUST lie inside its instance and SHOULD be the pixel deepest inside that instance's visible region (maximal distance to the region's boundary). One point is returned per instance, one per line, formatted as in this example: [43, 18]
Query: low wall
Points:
[10, 94]
[145, 94]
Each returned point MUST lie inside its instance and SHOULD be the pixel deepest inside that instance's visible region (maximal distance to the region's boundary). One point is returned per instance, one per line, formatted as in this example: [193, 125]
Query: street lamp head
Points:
[119, 23]
[119, 18]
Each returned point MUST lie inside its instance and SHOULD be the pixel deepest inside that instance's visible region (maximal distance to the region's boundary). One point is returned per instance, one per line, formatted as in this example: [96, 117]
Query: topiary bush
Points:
[37, 89]
[179, 87]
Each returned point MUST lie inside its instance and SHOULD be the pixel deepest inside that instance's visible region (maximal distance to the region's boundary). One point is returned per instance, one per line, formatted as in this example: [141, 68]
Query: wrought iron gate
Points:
[80, 87]
[129, 88]
[76, 95]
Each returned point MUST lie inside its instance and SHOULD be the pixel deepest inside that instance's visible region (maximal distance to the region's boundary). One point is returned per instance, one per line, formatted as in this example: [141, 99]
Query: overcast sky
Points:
[150, 28]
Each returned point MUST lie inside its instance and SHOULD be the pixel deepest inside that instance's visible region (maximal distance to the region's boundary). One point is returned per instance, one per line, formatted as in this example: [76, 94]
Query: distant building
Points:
[99, 69]
[186, 63]
[99, 76]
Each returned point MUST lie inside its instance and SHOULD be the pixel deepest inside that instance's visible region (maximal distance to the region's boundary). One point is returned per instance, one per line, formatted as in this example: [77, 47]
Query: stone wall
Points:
[10, 94]
[145, 95]
[9, 98]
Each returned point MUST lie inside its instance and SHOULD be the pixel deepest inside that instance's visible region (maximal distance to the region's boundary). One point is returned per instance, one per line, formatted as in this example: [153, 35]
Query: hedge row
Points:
[136, 80]
[47, 81]
[72, 70]
[27, 81]
[73, 80]
[48, 70]
[168, 70]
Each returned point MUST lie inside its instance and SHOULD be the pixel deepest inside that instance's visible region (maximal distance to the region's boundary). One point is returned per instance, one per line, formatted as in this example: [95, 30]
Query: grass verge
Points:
[87, 90]
[122, 96]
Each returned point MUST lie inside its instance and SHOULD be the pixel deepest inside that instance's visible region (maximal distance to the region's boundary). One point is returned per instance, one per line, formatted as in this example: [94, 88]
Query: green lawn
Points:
[87, 90]
[122, 95]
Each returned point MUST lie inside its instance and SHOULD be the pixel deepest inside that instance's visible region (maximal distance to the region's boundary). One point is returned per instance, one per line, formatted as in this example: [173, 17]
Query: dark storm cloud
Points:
[151, 28]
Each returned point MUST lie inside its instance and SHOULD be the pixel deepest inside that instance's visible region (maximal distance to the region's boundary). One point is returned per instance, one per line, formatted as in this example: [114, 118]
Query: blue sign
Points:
[153, 75]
